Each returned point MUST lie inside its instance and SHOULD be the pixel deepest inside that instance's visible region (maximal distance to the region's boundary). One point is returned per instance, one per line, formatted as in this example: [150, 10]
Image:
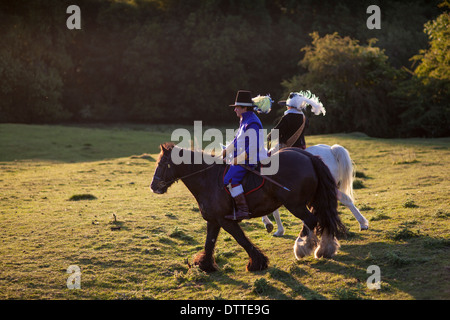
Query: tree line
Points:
[173, 61]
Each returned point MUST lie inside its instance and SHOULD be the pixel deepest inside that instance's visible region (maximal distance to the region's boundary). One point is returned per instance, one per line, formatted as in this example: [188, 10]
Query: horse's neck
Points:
[193, 175]
[194, 162]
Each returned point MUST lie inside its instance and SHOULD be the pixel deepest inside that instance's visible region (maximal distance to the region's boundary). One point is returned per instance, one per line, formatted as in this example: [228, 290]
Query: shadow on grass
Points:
[290, 281]
[267, 288]
[403, 259]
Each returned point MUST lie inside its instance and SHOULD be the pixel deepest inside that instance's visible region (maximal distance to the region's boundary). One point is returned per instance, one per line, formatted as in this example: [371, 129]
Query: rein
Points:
[183, 177]
[191, 174]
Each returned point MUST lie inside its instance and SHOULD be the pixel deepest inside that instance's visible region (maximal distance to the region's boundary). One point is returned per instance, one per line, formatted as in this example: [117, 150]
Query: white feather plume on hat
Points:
[301, 99]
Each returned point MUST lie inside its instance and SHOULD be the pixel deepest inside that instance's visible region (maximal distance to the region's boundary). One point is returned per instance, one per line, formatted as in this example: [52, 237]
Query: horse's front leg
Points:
[205, 259]
[258, 261]
[363, 222]
[269, 225]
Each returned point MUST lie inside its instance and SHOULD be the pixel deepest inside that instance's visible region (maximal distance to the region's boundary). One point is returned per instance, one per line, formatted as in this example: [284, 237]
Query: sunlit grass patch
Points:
[148, 257]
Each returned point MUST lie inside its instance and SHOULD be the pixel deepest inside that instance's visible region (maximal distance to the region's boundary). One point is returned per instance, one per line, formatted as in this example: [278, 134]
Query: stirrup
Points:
[235, 218]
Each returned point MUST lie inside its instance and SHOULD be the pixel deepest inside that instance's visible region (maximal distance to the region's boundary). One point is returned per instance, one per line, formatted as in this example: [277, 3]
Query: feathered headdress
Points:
[301, 99]
[263, 104]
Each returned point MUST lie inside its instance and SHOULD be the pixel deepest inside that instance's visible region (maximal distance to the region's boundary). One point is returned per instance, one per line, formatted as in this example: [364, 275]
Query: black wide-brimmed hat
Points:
[283, 103]
[243, 99]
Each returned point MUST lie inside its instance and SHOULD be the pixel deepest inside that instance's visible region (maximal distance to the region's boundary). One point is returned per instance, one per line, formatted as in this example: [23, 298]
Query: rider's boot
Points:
[241, 211]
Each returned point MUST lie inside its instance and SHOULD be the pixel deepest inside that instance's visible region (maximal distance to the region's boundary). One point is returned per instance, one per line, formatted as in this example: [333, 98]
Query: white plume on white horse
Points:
[300, 100]
[338, 160]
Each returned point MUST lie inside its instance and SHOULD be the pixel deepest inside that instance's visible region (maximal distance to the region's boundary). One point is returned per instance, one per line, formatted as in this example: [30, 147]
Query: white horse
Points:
[340, 164]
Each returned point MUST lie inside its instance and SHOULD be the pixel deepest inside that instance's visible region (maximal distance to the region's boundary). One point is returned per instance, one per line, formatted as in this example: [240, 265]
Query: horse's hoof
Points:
[279, 233]
[323, 253]
[327, 248]
[269, 227]
[362, 228]
[258, 266]
[258, 262]
[304, 246]
[205, 264]
[300, 249]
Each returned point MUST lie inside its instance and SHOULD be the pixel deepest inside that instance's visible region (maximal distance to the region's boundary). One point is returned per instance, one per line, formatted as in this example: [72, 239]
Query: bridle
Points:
[164, 164]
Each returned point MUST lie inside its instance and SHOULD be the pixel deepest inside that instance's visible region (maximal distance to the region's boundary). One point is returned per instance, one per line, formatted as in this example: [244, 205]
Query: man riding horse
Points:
[311, 193]
[294, 122]
[247, 148]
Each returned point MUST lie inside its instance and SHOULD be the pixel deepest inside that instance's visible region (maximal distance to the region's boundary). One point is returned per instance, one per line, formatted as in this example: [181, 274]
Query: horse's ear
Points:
[167, 146]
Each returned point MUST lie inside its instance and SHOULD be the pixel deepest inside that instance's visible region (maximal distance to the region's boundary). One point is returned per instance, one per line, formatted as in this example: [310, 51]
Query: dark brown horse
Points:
[307, 177]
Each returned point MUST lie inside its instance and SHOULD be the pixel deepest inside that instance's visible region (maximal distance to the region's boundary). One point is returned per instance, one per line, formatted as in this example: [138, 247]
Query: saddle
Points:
[250, 183]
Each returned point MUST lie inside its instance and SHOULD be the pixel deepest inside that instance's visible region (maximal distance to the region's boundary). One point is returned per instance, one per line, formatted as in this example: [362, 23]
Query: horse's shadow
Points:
[267, 289]
[288, 236]
[400, 259]
[401, 263]
[260, 287]
[290, 281]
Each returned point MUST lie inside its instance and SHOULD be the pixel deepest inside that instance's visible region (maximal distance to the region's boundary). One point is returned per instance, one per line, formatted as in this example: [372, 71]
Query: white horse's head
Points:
[300, 100]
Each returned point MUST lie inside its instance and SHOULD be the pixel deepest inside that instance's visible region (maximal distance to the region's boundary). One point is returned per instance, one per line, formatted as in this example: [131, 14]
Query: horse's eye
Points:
[292, 95]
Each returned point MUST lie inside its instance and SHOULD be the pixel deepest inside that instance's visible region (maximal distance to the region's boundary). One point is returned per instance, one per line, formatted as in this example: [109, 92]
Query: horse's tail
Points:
[325, 200]
[345, 170]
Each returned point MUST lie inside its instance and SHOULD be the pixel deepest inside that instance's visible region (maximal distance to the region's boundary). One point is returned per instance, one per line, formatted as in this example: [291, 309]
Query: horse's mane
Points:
[169, 146]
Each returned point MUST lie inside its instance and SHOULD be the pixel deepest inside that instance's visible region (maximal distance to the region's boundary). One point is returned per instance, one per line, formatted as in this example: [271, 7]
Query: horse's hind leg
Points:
[280, 229]
[328, 245]
[205, 259]
[306, 241]
[269, 225]
[258, 261]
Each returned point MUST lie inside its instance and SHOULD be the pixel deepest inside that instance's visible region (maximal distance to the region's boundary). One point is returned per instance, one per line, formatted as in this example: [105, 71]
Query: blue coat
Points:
[250, 129]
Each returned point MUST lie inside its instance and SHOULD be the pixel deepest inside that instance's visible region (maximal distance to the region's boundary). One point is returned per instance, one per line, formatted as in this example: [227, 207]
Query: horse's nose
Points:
[155, 188]
[153, 185]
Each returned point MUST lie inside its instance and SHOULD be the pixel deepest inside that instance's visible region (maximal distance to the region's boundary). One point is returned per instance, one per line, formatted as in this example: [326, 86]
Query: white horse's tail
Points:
[345, 171]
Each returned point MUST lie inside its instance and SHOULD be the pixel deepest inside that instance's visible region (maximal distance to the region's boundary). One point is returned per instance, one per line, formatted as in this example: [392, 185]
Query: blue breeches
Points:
[235, 175]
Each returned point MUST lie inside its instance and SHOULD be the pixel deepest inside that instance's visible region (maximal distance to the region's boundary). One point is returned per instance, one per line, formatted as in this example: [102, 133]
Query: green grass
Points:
[42, 233]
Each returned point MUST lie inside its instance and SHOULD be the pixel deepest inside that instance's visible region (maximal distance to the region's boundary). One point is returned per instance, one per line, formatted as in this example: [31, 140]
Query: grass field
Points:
[132, 244]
